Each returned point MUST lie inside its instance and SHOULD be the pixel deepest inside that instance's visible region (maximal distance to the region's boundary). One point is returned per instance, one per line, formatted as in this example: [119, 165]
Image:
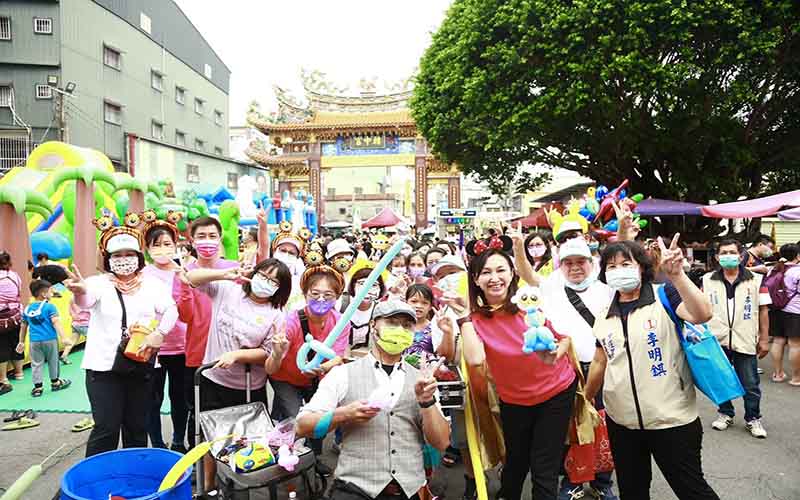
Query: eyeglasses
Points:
[269, 279]
[327, 296]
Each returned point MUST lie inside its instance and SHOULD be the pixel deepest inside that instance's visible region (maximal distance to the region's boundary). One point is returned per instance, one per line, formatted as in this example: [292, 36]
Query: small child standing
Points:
[41, 318]
[80, 325]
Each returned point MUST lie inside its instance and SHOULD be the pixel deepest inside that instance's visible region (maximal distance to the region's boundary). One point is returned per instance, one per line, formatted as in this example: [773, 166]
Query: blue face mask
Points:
[583, 285]
[729, 261]
[594, 246]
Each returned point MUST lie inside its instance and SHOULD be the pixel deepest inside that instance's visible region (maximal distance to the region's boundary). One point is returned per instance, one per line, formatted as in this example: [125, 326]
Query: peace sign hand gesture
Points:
[74, 282]
[237, 274]
[515, 233]
[672, 257]
[627, 230]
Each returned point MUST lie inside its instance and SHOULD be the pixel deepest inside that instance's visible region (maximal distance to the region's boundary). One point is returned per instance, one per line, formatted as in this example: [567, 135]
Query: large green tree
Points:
[701, 94]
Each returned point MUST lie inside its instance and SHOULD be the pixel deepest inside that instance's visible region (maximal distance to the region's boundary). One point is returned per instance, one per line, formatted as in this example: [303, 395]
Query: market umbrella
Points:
[538, 218]
[385, 218]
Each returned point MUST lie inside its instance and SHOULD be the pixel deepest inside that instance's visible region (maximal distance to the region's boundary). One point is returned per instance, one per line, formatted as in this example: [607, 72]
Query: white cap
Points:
[576, 247]
[122, 242]
[568, 225]
[336, 247]
[448, 260]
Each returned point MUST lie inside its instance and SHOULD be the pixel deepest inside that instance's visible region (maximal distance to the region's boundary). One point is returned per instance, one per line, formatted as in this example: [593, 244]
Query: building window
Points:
[157, 129]
[193, 173]
[233, 180]
[358, 191]
[111, 57]
[157, 80]
[180, 138]
[5, 96]
[5, 28]
[112, 113]
[342, 211]
[199, 145]
[180, 95]
[218, 151]
[331, 192]
[43, 25]
[218, 117]
[199, 106]
[207, 71]
[145, 23]
[44, 92]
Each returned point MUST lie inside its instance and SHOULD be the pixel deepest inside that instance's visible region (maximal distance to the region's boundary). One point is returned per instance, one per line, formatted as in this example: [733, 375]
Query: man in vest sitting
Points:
[386, 409]
[741, 324]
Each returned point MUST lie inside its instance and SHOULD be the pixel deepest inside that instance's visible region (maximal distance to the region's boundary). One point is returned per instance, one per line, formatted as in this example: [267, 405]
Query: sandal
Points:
[18, 414]
[65, 361]
[794, 384]
[37, 392]
[18, 376]
[779, 378]
[6, 388]
[83, 424]
[62, 383]
[22, 423]
[450, 459]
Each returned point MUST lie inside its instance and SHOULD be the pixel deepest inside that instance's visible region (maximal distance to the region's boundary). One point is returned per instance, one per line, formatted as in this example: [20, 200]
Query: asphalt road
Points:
[737, 465]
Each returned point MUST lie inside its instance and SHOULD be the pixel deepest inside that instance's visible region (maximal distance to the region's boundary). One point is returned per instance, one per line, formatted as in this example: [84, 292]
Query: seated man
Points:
[381, 455]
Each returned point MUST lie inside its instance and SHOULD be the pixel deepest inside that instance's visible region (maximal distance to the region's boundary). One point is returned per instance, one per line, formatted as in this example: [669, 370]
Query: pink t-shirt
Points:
[791, 279]
[10, 285]
[289, 372]
[238, 323]
[80, 317]
[521, 379]
[175, 340]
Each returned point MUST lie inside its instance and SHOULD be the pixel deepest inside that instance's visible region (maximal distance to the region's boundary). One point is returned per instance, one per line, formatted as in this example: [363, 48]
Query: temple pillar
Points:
[421, 184]
[315, 178]
[454, 192]
[284, 185]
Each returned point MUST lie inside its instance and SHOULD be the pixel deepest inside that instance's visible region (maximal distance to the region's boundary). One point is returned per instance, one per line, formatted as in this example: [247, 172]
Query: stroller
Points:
[249, 420]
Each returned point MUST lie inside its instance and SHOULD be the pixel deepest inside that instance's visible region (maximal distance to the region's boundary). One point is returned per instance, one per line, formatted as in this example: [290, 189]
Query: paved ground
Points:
[737, 465]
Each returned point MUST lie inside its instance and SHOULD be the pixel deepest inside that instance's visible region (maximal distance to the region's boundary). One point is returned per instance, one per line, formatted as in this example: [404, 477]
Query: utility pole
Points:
[62, 118]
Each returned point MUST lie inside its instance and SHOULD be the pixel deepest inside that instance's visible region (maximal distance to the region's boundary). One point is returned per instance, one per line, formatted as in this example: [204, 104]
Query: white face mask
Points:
[449, 282]
[398, 270]
[372, 295]
[287, 258]
[624, 279]
[124, 266]
[262, 287]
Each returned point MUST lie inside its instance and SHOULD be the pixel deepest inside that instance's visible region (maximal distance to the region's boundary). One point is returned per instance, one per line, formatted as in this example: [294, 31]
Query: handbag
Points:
[123, 365]
[712, 372]
[583, 461]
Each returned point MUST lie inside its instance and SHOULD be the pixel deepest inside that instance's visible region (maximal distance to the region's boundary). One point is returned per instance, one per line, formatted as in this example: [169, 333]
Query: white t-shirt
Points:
[566, 319]
[152, 300]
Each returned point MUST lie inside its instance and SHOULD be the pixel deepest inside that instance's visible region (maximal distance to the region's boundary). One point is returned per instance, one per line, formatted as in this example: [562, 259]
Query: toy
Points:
[251, 458]
[287, 459]
[538, 337]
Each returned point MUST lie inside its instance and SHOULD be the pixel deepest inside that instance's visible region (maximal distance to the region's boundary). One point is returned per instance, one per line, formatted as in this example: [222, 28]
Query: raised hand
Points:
[74, 281]
[425, 387]
[280, 344]
[443, 322]
[360, 412]
[672, 257]
[516, 235]
[627, 230]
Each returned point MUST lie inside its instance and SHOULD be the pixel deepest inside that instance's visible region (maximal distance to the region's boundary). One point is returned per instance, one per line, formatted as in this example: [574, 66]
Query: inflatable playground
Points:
[53, 199]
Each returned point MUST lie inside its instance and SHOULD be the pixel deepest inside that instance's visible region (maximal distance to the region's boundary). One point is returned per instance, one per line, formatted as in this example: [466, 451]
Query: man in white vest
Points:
[386, 409]
[741, 324]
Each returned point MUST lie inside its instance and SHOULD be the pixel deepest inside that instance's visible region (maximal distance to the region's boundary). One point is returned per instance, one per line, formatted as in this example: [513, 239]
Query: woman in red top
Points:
[536, 391]
[321, 286]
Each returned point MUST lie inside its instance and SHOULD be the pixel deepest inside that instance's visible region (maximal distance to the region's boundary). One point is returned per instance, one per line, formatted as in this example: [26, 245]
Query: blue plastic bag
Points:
[712, 372]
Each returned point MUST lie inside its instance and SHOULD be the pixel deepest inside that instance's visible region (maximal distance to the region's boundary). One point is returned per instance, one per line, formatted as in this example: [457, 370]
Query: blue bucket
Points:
[131, 473]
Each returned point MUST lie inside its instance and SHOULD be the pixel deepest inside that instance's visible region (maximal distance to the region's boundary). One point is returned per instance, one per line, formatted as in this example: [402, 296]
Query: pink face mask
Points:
[537, 251]
[207, 249]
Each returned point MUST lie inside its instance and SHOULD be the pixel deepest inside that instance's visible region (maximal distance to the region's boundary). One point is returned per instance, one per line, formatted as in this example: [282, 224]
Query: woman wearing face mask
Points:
[647, 385]
[415, 266]
[537, 250]
[118, 299]
[321, 286]
[536, 391]
[287, 248]
[160, 238]
[360, 321]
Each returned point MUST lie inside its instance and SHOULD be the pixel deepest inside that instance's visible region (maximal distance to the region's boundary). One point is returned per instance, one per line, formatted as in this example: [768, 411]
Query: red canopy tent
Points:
[538, 218]
[385, 218]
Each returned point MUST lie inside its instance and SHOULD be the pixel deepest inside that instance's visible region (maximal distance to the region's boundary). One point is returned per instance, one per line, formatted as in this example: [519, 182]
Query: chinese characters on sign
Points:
[654, 355]
[421, 193]
[366, 142]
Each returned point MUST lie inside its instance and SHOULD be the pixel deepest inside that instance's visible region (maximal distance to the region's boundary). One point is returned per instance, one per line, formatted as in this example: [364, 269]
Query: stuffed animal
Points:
[538, 337]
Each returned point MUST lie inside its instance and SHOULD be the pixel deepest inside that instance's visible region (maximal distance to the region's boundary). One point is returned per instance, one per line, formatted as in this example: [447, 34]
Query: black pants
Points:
[119, 403]
[676, 452]
[534, 438]
[172, 366]
[188, 394]
[348, 491]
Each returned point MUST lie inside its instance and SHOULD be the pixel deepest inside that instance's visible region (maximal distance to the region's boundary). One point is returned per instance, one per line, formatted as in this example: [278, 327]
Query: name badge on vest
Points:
[609, 347]
[654, 354]
[748, 306]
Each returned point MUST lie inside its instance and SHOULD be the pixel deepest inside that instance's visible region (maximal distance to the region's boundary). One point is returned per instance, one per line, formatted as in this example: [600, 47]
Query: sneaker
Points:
[60, 384]
[571, 492]
[760, 370]
[6, 388]
[604, 493]
[722, 422]
[323, 469]
[756, 429]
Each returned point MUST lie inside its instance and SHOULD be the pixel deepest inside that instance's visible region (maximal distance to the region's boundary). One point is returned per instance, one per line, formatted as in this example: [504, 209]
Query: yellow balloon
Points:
[177, 470]
[590, 193]
[472, 439]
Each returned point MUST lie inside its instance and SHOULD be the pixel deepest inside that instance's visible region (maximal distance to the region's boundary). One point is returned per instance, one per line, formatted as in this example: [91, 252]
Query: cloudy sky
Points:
[266, 42]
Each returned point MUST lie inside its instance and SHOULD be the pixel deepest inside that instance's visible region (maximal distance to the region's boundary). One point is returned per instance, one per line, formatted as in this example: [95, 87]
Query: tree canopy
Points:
[703, 95]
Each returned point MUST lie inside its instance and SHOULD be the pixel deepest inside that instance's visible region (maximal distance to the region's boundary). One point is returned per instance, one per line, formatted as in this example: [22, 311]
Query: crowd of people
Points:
[614, 345]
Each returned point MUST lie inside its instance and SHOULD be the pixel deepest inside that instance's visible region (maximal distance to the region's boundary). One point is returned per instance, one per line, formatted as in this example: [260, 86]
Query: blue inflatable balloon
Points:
[611, 225]
[600, 192]
[54, 244]
[623, 193]
[586, 214]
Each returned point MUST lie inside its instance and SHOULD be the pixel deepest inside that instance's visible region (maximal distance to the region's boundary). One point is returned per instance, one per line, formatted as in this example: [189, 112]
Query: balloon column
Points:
[598, 208]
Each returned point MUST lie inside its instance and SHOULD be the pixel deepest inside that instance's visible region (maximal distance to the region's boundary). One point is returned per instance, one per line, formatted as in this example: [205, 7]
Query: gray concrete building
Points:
[106, 73]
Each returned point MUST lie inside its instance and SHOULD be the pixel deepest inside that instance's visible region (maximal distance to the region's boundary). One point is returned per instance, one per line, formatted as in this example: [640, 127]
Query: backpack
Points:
[777, 288]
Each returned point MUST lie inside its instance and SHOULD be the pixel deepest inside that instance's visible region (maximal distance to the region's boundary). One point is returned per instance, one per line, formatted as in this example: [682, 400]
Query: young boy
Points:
[41, 318]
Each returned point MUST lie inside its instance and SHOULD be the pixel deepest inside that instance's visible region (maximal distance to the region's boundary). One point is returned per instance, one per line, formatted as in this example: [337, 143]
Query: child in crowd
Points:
[80, 325]
[41, 318]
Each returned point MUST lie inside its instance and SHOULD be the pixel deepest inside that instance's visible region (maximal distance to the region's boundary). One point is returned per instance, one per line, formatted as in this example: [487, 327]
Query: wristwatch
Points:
[427, 404]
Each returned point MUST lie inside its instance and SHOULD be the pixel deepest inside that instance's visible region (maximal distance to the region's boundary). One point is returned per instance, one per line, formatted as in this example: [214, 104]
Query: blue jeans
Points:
[746, 367]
